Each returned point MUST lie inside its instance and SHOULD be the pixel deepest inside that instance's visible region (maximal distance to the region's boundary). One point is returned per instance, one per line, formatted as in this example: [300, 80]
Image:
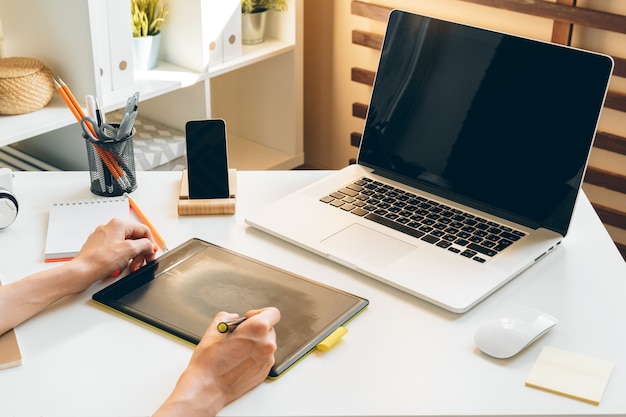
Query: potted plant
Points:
[253, 18]
[148, 17]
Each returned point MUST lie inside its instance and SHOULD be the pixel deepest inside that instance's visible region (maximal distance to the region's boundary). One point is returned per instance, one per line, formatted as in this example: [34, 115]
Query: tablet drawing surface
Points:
[183, 290]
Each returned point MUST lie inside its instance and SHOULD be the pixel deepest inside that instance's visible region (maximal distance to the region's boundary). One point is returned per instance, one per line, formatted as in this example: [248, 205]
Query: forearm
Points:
[23, 299]
[194, 395]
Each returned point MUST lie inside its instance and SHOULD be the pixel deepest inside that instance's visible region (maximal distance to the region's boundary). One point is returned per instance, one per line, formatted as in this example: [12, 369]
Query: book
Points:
[10, 354]
[70, 224]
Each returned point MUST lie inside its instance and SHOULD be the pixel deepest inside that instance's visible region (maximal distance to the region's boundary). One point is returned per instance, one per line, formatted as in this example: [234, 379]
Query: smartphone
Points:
[207, 159]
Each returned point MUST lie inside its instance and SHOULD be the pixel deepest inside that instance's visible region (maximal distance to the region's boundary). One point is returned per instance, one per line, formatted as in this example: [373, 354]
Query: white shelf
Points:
[164, 79]
[273, 134]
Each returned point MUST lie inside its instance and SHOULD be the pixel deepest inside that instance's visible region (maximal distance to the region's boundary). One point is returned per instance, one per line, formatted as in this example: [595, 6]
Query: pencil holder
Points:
[111, 165]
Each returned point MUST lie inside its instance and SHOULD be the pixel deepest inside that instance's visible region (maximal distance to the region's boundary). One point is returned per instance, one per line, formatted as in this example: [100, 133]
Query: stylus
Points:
[229, 326]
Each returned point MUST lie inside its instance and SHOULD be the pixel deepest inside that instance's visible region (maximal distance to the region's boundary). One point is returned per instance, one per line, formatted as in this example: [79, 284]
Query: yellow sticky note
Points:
[569, 374]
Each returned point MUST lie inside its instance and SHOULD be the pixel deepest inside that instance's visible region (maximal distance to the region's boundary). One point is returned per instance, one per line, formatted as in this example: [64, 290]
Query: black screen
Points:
[207, 162]
[497, 122]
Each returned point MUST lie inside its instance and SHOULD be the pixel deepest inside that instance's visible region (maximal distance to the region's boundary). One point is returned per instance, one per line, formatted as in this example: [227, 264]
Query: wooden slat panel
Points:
[371, 11]
[610, 142]
[363, 76]
[611, 216]
[368, 39]
[616, 101]
[561, 13]
[606, 179]
[359, 110]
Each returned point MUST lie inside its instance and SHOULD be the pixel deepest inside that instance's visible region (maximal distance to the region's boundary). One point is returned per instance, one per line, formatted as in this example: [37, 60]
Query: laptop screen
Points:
[497, 122]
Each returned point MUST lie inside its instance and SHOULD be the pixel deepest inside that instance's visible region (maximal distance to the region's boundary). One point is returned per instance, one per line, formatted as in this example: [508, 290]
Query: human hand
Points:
[112, 247]
[223, 367]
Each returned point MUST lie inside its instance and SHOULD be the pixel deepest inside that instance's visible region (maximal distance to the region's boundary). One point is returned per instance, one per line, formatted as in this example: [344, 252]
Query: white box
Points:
[231, 37]
[193, 32]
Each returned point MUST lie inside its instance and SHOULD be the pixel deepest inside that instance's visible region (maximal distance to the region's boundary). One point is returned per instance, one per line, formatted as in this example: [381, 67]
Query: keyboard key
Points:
[359, 211]
[482, 249]
[396, 226]
[430, 239]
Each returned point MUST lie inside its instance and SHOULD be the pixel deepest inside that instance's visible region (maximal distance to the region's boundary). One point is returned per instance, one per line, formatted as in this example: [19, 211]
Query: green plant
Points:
[253, 6]
[148, 17]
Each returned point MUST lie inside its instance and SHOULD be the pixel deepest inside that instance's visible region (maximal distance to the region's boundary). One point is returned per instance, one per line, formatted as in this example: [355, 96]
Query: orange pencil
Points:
[78, 113]
[147, 222]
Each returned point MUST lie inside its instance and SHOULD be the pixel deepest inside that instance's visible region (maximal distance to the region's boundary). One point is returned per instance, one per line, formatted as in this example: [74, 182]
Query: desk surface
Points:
[81, 360]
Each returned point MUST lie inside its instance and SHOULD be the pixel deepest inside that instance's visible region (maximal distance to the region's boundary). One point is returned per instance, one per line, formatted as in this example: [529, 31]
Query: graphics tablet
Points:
[181, 291]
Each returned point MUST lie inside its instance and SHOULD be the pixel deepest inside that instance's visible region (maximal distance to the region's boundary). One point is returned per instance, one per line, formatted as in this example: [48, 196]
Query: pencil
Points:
[78, 113]
[147, 222]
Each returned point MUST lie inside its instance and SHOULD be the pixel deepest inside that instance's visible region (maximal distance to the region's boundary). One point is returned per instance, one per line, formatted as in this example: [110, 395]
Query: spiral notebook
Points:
[71, 222]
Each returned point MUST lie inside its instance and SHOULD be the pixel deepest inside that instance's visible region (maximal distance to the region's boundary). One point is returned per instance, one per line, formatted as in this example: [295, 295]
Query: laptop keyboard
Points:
[440, 225]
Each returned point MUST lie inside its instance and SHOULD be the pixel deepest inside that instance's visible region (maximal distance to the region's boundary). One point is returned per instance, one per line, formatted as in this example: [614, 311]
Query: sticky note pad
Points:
[569, 374]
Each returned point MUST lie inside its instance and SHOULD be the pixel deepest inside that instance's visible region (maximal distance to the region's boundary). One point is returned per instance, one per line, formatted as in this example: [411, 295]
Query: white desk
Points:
[401, 356]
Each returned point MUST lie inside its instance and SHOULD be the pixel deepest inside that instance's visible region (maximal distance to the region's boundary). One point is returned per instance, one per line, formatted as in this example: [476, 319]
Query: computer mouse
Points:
[512, 331]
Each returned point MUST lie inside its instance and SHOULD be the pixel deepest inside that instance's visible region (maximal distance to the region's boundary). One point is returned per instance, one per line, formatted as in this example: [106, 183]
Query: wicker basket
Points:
[25, 85]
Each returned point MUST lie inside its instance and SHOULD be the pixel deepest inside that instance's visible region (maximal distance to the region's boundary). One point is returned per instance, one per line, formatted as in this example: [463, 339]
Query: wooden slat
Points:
[561, 13]
[562, 31]
[363, 76]
[610, 142]
[359, 110]
[370, 10]
[611, 216]
[367, 39]
[620, 67]
[355, 139]
[616, 101]
[607, 179]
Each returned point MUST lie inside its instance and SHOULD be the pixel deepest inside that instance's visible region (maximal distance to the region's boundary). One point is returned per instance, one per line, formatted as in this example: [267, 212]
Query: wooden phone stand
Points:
[192, 207]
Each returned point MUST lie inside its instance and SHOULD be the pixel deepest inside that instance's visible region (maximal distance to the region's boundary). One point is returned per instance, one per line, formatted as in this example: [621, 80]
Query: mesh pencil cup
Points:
[111, 165]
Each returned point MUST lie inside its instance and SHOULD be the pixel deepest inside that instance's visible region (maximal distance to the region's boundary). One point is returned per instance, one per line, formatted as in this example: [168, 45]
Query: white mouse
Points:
[511, 332]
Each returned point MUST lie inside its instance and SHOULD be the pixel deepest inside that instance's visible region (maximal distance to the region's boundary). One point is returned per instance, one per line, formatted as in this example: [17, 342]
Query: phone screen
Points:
[207, 160]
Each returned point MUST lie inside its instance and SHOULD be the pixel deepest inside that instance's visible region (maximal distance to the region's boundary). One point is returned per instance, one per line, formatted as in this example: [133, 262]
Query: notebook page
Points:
[70, 223]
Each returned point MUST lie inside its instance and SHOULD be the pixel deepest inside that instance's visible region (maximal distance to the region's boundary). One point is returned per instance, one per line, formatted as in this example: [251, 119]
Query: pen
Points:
[92, 109]
[229, 326]
[147, 222]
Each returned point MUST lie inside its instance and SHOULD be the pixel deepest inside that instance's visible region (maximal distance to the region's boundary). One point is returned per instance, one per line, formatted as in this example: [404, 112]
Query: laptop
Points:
[472, 156]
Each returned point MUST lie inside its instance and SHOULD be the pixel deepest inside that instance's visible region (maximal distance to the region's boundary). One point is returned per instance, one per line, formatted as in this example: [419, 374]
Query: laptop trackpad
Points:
[367, 245]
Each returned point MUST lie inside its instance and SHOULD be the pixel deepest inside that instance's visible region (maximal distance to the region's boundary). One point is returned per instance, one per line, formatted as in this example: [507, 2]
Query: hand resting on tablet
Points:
[223, 366]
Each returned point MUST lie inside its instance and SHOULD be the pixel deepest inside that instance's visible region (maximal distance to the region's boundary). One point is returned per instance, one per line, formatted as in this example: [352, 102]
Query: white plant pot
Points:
[146, 51]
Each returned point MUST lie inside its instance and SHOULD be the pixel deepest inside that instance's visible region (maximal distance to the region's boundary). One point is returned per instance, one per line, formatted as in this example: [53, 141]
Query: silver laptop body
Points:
[470, 131]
